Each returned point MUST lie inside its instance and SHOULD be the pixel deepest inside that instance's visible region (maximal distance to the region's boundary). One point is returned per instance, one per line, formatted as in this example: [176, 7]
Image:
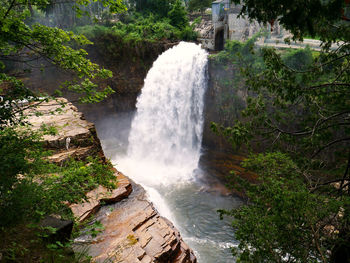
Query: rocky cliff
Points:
[133, 229]
[224, 100]
[128, 63]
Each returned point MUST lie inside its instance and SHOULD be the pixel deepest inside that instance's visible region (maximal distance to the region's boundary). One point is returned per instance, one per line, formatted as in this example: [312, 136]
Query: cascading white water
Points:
[166, 133]
[164, 150]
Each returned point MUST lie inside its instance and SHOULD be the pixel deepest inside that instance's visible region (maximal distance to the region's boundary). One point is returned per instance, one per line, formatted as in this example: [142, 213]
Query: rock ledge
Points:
[133, 229]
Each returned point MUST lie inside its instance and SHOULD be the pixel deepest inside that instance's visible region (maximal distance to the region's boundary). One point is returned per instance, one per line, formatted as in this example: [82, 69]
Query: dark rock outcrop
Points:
[63, 228]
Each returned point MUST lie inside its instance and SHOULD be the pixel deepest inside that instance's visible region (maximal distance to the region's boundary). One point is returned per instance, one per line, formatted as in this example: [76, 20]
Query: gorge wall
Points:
[225, 98]
[130, 65]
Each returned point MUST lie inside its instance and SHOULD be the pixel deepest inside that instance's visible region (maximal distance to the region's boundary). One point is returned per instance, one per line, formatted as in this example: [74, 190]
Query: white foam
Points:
[166, 133]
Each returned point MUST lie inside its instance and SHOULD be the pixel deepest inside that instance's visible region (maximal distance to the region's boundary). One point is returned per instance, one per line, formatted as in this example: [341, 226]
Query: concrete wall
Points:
[241, 28]
[216, 11]
[235, 28]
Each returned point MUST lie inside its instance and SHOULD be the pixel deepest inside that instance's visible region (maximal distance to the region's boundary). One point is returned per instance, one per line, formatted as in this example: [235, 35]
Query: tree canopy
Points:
[194, 5]
[297, 116]
[26, 42]
[178, 15]
[23, 40]
[300, 17]
[159, 7]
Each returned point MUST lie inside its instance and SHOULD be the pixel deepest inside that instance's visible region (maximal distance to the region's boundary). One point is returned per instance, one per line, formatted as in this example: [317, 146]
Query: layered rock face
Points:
[135, 232]
[71, 136]
[133, 229]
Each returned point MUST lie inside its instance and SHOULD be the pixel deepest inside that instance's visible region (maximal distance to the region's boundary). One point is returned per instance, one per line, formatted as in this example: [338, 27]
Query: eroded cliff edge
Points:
[134, 231]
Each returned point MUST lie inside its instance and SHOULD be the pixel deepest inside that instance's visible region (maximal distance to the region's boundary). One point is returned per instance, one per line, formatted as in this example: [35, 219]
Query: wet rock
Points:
[219, 165]
[135, 232]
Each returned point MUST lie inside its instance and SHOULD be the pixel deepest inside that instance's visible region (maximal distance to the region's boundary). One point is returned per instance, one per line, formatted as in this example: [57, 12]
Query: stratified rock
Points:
[79, 153]
[100, 196]
[135, 232]
[72, 128]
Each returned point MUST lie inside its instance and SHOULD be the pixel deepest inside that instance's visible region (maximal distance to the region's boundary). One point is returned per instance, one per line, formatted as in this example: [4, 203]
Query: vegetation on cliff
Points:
[148, 25]
[31, 188]
[230, 99]
[141, 30]
[298, 112]
[35, 34]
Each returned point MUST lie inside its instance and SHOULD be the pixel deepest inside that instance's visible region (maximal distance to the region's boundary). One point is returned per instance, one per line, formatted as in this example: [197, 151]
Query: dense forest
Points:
[293, 127]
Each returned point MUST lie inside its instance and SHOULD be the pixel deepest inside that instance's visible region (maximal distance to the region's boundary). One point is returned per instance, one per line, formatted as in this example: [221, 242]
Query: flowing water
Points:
[164, 148]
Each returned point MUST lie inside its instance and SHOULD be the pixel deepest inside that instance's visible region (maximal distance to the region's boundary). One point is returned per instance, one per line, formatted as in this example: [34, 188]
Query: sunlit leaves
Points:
[24, 41]
[298, 207]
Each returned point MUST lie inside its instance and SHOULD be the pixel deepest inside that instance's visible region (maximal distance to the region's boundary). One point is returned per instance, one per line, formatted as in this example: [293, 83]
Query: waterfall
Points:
[166, 132]
[164, 147]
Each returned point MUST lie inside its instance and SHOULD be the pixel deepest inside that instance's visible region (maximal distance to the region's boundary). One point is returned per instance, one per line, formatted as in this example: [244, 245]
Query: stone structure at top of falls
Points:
[134, 230]
[226, 24]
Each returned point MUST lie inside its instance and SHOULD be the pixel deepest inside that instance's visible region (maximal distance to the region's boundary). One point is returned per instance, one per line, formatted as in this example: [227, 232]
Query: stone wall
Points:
[234, 28]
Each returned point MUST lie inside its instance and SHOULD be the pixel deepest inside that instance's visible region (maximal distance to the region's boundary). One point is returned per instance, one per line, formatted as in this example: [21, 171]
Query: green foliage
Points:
[236, 52]
[31, 187]
[15, 149]
[94, 228]
[229, 101]
[159, 8]
[27, 244]
[49, 129]
[194, 5]
[148, 28]
[302, 18]
[178, 15]
[298, 59]
[297, 106]
[23, 41]
[281, 222]
[298, 114]
[141, 29]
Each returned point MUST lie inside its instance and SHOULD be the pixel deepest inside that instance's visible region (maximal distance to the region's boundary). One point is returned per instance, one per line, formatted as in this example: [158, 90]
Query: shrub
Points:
[141, 29]
[31, 187]
[178, 15]
[298, 59]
